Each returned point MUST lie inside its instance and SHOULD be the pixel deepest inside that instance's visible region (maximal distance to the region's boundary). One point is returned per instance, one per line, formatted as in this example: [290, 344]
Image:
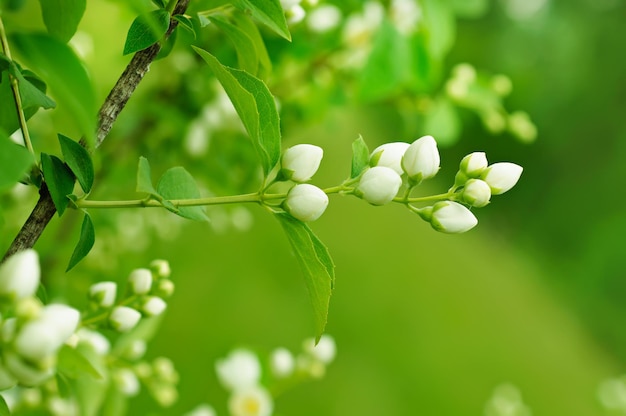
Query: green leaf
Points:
[15, 161]
[177, 183]
[78, 159]
[185, 22]
[146, 30]
[442, 122]
[267, 12]
[316, 263]
[255, 106]
[360, 157]
[159, 3]
[388, 65]
[5, 62]
[9, 122]
[246, 52]
[440, 26]
[60, 180]
[249, 28]
[4, 408]
[65, 75]
[29, 93]
[74, 364]
[62, 17]
[85, 242]
[167, 45]
[144, 177]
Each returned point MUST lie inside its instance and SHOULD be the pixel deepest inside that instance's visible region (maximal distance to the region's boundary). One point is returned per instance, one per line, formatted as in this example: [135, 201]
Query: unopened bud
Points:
[379, 185]
[474, 164]
[140, 281]
[421, 160]
[300, 162]
[103, 293]
[452, 217]
[306, 202]
[19, 275]
[153, 306]
[123, 318]
[476, 193]
[389, 155]
[502, 176]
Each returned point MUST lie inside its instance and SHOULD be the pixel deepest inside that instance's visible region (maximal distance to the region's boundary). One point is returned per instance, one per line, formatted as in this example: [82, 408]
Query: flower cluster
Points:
[250, 393]
[31, 334]
[40, 341]
[391, 173]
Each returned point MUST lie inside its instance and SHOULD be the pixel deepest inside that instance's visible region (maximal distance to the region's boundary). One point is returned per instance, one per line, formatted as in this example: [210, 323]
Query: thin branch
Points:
[112, 106]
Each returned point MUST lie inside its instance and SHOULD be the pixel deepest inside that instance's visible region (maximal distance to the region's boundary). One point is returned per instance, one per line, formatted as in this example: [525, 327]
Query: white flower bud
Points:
[324, 351]
[126, 382]
[251, 401]
[306, 202]
[103, 293]
[39, 339]
[474, 164]
[241, 369]
[324, 18]
[389, 155]
[295, 14]
[123, 318]
[300, 162]
[19, 275]
[140, 281]
[153, 306]
[161, 268]
[135, 350]
[421, 159]
[282, 362]
[452, 217]
[379, 185]
[95, 340]
[165, 371]
[502, 176]
[165, 288]
[477, 193]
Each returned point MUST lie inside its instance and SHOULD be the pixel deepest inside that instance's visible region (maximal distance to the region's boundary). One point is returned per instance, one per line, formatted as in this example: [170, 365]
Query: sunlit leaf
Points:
[360, 157]
[144, 177]
[177, 183]
[65, 75]
[440, 27]
[85, 242]
[255, 106]
[185, 22]
[59, 179]
[74, 364]
[4, 409]
[268, 12]
[252, 31]
[9, 121]
[316, 264]
[29, 93]
[62, 17]
[78, 159]
[146, 30]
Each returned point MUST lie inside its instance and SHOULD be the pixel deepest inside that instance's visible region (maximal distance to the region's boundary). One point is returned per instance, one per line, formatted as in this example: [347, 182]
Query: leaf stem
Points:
[16, 91]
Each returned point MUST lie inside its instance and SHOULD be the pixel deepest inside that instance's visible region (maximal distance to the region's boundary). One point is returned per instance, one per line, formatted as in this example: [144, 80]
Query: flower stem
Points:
[16, 91]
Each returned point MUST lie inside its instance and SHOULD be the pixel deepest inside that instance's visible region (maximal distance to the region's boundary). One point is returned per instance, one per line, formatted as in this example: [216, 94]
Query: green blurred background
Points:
[425, 323]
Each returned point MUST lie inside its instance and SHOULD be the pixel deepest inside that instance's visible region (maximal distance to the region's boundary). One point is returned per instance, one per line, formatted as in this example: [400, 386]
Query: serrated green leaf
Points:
[268, 12]
[30, 93]
[146, 30]
[255, 106]
[60, 180]
[79, 160]
[144, 177]
[360, 157]
[62, 17]
[244, 47]
[74, 364]
[9, 122]
[85, 242]
[252, 31]
[4, 408]
[15, 161]
[65, 75]
[316, 264]
[185, 22]
[177, 183]
[388, 65]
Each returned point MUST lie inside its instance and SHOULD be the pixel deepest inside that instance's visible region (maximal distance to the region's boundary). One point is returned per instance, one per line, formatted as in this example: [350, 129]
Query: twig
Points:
[118, 97]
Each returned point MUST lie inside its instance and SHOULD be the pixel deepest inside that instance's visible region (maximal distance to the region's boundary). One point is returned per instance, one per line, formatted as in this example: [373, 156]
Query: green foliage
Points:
[59, 179]
[255, 106]
[9, 121]
[66, 76]
[144, 178]
[62, 17]
[85, 242]
[79, 161]
[29, 93]
[146, 30]
[442, 121]
[360, 157]
[247, 26]
[15, 161]
[246, 51]
[177, 183]
[316, 264]
[74, 364]
[267, 12]
[4, 409]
